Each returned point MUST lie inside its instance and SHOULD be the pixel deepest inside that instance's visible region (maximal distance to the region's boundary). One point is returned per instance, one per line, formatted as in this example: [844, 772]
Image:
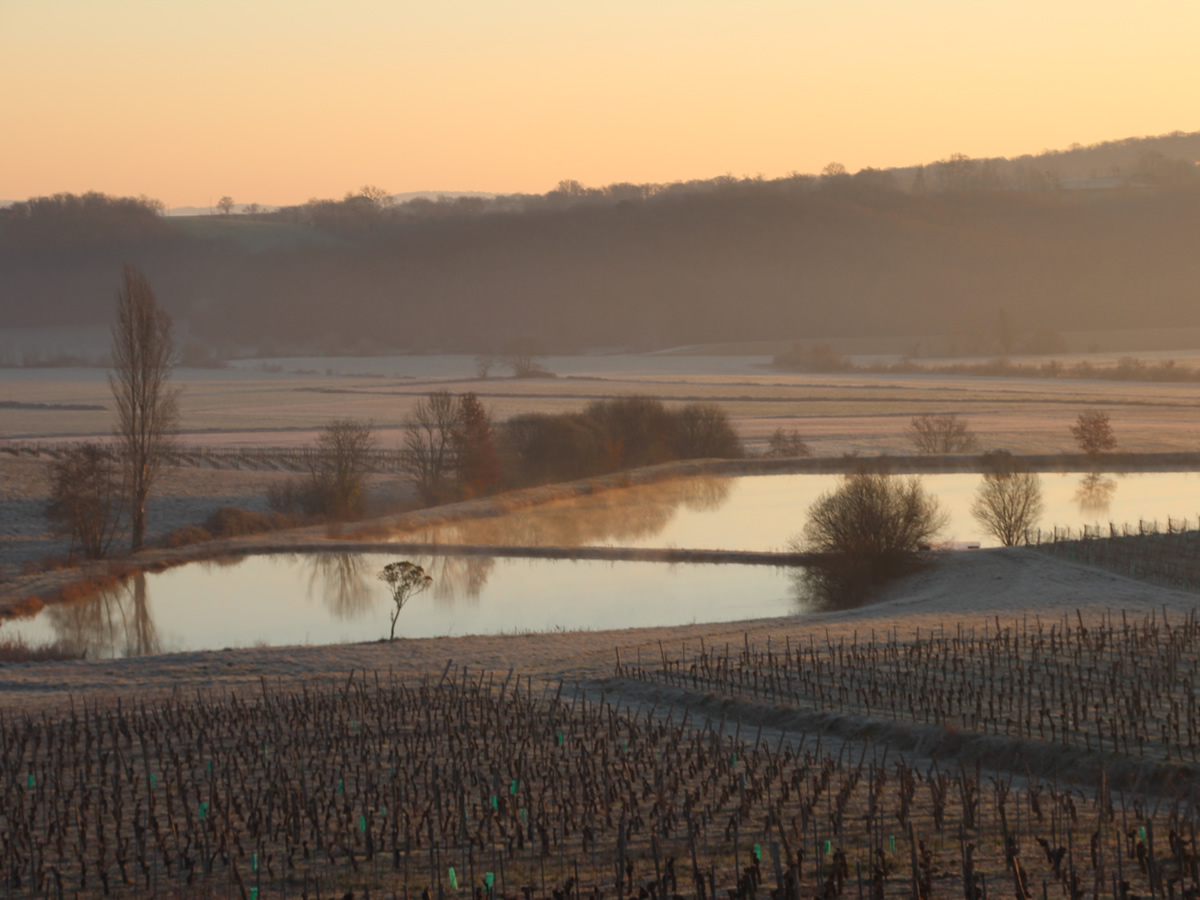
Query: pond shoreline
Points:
[27, 594]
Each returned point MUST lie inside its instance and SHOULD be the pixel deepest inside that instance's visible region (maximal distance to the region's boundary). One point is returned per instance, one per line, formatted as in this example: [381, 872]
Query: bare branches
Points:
[948, 433]
[868, 528]
[1093, 432]
[340, 466]
[86, 498]
[787, 444]
[1009, 500]
[429, 442]
[143, 349]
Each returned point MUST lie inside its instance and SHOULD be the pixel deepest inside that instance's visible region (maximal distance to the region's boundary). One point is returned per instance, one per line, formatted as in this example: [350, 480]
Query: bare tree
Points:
[483, 364]
[1009, 500]
[522, 356]
[340, 466]
[225, 205]
[946, 433]
[143, 350]
[405, 580]
[428, 454]
[86, 499]
[787, 444]
[1093, 432]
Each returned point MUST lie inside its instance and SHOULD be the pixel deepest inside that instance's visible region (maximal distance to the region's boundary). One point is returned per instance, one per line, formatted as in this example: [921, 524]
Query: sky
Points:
[278, 101]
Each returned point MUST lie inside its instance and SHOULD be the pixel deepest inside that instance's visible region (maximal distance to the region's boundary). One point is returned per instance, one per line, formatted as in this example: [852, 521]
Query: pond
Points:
[283, 600]
[763, 512]
[336, 597]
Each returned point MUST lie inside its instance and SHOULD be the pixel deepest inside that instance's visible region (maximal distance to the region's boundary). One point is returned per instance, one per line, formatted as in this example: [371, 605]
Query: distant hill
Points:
[242, 209]
[1100, 238]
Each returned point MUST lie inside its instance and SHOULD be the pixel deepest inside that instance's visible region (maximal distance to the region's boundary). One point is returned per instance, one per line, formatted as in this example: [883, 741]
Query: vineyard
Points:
[1170, 555]
[482, 785]
[1111, 686]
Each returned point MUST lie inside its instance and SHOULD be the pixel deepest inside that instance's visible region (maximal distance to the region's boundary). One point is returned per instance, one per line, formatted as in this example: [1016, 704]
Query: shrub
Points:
[638, 430]
[234, 521]
[189, 534]
[703, 431]
[868, 529]
[16, 650]
[539, 448]
[87, 499]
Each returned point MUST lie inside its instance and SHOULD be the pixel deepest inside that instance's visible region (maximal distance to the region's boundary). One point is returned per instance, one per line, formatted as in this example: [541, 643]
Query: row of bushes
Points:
[230, 522]
[609, 436]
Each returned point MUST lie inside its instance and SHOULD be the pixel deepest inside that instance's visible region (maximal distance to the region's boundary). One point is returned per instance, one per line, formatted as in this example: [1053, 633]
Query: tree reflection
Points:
[1095, 493]
[612, 516]
[457, 577]
[342, 583]
[114, 622]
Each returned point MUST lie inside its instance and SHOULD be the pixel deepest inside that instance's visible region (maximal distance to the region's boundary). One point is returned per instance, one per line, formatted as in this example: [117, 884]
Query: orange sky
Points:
[275, 102]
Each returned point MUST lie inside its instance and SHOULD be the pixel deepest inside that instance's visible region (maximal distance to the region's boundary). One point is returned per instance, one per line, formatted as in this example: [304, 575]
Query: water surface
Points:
[333, 598]
[763, 512]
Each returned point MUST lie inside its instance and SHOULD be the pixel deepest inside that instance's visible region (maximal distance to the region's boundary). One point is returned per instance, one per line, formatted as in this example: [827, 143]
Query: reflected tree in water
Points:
[1095, 493]
[456, 577]
[620, 516]
[115, 622]
[705, 494]
[339, 580]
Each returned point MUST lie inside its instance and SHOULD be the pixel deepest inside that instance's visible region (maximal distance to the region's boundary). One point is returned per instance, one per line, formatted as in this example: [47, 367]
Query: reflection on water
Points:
[457, 577]
[280, 600]
[333, 598]
[115, 622]
[342, 582]
[761, 512]
[1095, 494]
[618, 517]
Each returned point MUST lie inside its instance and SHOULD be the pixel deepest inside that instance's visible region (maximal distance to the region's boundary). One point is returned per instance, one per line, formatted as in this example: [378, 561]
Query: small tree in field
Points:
[787, 444]
[1093, 432]
[948, 433]
[523, 357]
[1009, 501]
[86, 499]
[405, 580]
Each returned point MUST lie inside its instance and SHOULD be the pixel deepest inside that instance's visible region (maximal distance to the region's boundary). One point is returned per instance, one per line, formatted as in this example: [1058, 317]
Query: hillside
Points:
[872, 254]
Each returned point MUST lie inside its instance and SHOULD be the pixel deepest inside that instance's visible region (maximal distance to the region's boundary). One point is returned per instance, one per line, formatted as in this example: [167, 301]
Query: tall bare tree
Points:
[340, 467]
[143, 357]
[428, 454]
